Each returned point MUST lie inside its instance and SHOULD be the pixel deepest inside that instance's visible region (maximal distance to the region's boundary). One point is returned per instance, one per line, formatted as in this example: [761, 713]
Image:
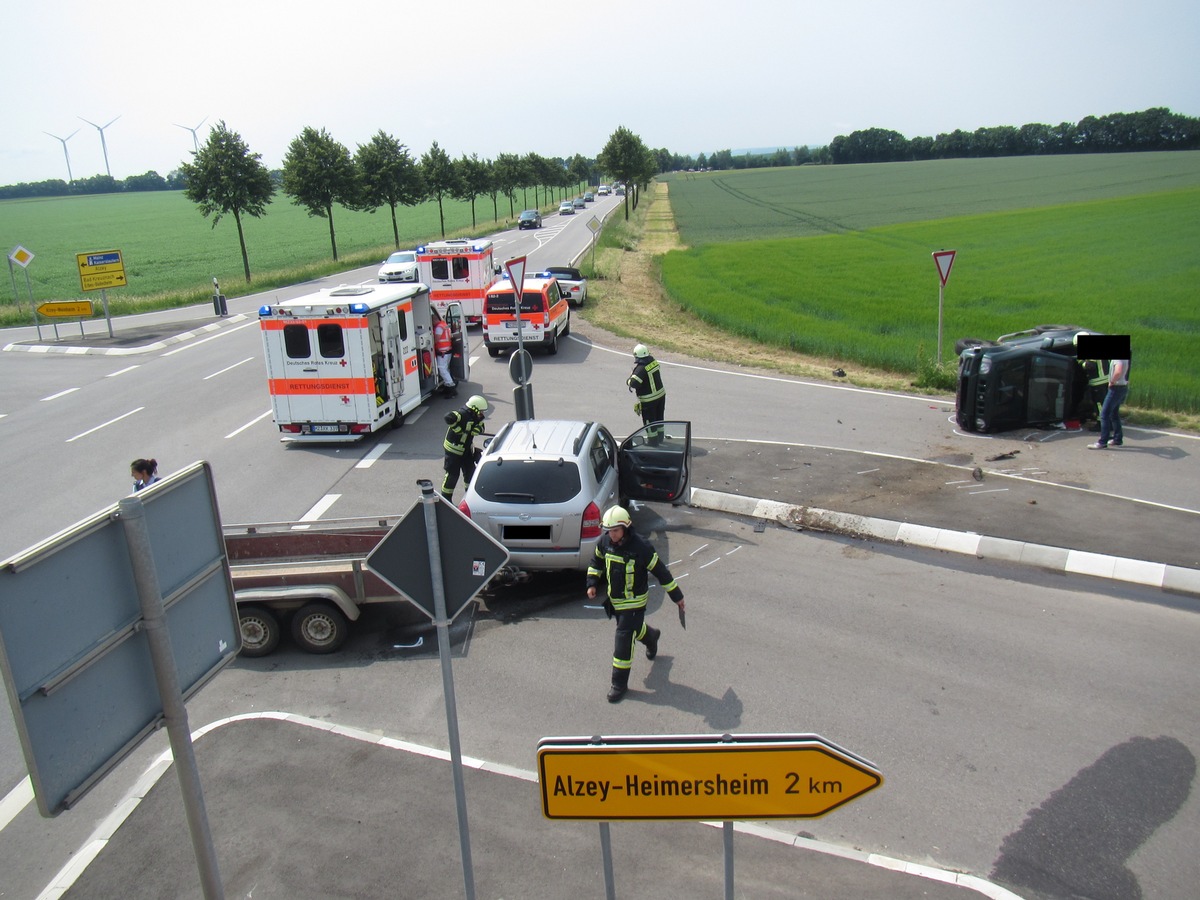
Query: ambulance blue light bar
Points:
[360, 308]
[264, 310]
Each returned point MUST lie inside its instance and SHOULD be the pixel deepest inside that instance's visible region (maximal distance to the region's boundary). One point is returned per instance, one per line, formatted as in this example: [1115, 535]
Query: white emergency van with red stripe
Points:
[349, 361]
[458, 271]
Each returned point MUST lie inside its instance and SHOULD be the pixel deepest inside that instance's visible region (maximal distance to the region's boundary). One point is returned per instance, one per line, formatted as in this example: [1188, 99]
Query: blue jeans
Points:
[1110, 414]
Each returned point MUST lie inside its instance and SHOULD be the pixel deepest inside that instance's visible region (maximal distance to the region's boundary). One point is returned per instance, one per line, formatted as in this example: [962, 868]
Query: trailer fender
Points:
[299, 595]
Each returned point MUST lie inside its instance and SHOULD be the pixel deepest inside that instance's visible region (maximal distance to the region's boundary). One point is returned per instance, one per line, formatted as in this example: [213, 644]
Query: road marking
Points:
[227, 368]
[867, 471]
[698, 549]
[106, 424]
[990, 491]
[710, 562]
[369, 460]
[15, 801]
[59, 394]
[224, 331]
[317, 511]
[121, 371]
[247, 425]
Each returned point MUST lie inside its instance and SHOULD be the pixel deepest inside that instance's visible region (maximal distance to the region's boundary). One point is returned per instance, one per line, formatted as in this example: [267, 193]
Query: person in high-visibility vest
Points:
[443, 346]
[621, 563]
[646, 381]
[460, 456]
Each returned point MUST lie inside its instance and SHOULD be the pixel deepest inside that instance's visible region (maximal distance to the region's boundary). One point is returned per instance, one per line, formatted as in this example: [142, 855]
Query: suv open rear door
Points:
[654, 462]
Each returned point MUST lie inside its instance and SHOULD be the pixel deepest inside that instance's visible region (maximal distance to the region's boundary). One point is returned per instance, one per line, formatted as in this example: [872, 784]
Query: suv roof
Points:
[540, 438]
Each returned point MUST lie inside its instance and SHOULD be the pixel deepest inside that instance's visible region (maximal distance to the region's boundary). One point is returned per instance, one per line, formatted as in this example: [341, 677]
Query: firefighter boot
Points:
[620, 684]
[651, 642]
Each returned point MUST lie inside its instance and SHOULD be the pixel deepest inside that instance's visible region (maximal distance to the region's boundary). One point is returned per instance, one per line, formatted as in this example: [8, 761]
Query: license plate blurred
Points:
[325, 429]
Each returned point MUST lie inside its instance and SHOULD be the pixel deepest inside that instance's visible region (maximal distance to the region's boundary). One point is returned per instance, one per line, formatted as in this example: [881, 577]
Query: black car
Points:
[531, 218]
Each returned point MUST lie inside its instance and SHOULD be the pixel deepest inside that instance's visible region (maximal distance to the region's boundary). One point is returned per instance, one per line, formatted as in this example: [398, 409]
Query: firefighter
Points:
[443, 346]
[646, 382]
[464, 424]
[621, 562]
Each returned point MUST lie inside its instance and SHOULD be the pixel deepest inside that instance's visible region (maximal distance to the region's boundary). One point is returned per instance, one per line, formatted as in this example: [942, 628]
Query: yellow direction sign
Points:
[66, 309]
[699, 777]
[101, 269]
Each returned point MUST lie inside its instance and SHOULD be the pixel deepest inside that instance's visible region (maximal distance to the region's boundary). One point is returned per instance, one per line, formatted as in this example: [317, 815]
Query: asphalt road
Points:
[1001, 701]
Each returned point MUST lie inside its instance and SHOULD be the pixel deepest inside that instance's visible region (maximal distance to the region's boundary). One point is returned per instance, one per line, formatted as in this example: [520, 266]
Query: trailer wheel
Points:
[319, 628]
[260, 630]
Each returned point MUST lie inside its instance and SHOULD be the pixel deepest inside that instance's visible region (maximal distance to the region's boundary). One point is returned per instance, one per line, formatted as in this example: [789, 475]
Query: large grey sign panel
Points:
[75, 659]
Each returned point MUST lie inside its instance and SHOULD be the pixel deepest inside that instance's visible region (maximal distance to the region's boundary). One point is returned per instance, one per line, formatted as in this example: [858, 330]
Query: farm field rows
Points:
[1112, 247]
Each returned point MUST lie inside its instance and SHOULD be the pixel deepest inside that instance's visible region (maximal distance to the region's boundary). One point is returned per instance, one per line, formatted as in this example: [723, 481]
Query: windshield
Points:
[404, 256]
[527, 481]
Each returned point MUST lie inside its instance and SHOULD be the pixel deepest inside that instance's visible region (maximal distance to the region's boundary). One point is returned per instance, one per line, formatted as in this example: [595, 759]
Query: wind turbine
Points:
[103, 145]
[70, 177]
[195, 140]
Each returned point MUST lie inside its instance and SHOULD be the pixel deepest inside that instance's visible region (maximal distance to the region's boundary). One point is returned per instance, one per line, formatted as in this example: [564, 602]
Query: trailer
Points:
[310, 576]
[350, 361]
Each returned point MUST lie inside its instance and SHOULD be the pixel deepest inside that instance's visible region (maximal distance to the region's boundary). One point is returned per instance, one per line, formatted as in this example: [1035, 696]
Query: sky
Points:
[558, 77]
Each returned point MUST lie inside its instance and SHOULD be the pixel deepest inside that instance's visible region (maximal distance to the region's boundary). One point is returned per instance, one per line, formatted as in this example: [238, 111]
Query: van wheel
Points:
[319, 628]
[567, 330]
[552, 347]
[493, 351]
[398, 420]
[260, 630]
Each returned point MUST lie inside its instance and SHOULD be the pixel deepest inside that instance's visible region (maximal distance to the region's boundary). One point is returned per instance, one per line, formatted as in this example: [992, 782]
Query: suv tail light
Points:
[591, 523]
[464, 509]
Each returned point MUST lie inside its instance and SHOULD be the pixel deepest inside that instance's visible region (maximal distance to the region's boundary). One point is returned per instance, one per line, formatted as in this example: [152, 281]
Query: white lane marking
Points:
[105, 424]
[710, 562]
[369, 460]
[59, 394]
[867, 471]
[991, 491]
[734, 550]
[247, 425]
[228, 368]
[15, 801]
[698, 549]
[224, 331]
[122, 371]
[317, 511]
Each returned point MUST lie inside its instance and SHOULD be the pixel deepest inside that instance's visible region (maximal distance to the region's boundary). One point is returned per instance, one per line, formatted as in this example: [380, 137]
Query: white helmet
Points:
[614, 517]
[477, 403]
[641, 351]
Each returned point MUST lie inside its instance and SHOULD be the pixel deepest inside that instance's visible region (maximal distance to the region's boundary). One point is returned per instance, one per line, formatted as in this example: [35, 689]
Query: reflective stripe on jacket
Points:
[646, 380]
[623, 570]
[465, 423]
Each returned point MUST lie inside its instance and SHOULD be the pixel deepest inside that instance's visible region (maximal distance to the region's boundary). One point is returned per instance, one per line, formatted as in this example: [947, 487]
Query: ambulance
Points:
[458, 271]
[349, 361]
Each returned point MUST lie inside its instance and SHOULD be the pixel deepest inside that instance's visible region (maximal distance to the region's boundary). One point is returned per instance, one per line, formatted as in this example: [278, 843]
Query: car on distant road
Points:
[542, 486]
[400, 266]
[602, 190]
[571, 282]
[588, 197]
[530, 218]
[566, 208]
[578, 203]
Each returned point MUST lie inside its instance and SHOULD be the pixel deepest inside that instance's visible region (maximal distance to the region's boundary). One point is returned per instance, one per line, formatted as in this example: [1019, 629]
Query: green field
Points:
[1110, 243]
[170, 249]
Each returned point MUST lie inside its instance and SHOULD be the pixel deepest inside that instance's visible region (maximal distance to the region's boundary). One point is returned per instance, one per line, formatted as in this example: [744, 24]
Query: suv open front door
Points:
[654, 462]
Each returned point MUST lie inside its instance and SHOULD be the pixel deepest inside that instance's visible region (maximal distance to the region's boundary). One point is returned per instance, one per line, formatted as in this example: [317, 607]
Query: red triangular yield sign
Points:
[516, 274]
[945, 262]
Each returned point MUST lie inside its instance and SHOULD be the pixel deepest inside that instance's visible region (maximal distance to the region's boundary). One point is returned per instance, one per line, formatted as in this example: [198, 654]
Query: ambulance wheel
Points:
[567, 330]
[552, 347]
[319, 628]
[260, 630]
[493, 351]
[398, 420]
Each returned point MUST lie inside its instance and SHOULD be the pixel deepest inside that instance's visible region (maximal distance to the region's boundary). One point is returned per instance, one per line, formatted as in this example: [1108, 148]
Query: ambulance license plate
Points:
[325, 429]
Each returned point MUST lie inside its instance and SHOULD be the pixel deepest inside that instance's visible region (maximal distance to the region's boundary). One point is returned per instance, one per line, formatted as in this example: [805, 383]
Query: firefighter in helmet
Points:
[463, 424]
[646, 382]
[620, 564]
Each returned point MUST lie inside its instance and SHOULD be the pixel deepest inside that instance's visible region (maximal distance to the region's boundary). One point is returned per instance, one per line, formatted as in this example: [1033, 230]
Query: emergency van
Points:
[349, 361]
[545, 315]
[458, 271]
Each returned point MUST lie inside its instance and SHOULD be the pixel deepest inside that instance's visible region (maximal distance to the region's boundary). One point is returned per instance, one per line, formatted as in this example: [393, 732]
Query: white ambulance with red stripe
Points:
[458, 271]
[349, 361]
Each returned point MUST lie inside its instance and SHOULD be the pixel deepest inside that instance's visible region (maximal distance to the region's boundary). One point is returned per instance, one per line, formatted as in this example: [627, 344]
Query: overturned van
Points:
[1028, 378]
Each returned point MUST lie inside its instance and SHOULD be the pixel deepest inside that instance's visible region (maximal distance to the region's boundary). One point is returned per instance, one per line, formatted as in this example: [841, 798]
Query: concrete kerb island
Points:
[1060, 559]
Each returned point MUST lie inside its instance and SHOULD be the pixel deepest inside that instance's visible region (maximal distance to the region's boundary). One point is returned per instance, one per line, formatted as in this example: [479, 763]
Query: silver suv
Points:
[542, 486]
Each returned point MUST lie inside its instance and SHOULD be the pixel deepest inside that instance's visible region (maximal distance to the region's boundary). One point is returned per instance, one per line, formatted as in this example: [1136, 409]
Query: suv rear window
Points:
[527, 481]
[503, 303]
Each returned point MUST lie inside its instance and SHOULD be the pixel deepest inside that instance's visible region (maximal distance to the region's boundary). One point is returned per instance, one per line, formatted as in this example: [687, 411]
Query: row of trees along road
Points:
[226, 179]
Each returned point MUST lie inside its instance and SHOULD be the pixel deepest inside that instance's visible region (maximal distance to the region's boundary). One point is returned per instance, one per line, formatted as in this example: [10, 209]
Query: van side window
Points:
[295, 342]
[329, 340]
[439, 269]
[461, 268]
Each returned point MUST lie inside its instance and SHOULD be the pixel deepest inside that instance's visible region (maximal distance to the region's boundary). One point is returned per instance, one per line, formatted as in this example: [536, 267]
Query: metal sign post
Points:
[522, 371]
[944, 260]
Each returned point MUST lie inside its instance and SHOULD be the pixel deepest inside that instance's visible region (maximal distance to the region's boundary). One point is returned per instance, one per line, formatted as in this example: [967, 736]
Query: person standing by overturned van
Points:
[646, 381]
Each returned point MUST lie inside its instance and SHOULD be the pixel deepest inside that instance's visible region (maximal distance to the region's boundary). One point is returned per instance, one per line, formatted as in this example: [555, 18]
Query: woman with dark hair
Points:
[144, 472]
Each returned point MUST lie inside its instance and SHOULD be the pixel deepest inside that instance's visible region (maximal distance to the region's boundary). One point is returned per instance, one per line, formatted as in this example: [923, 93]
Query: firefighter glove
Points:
[448, 418]
[637, 408]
